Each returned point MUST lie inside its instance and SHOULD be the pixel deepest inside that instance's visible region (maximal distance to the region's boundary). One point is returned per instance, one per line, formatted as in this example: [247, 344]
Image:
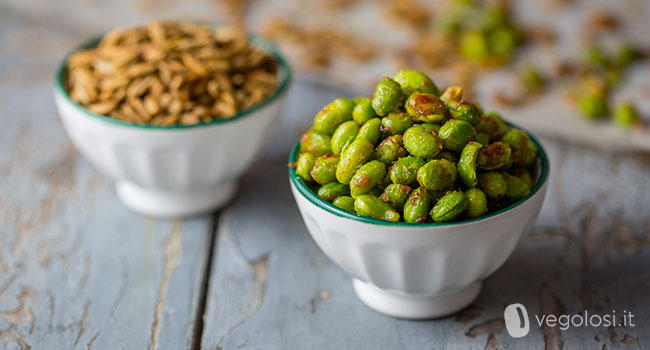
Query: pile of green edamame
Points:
[413, 154]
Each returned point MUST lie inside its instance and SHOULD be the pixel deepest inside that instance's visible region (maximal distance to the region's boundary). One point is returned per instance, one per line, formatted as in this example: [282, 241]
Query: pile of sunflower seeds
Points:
[169, 73]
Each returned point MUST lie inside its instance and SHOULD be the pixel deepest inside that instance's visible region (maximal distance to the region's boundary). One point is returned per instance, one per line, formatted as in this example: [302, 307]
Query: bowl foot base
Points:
[415, 306]
[158, 203]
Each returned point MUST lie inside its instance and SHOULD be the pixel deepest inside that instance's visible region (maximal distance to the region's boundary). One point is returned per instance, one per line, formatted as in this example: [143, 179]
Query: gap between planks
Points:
[205, 283]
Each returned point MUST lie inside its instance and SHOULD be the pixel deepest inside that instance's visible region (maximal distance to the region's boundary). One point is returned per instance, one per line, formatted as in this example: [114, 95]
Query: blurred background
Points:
[542, 63]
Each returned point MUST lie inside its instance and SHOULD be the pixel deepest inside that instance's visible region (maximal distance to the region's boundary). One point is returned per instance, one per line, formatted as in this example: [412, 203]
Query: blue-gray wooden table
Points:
[80, 271]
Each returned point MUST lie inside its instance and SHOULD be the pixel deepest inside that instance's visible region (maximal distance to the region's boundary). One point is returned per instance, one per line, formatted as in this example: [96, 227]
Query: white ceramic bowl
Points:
[418, 271]
[173, 170]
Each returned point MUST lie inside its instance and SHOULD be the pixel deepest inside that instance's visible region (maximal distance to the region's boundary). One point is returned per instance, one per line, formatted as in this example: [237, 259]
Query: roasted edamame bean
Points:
[426, 108]
[335, 113]
[344, 202]
[332, 190]
[493, 184]
[367, 177]
[493, 126]
[396, 123]
[387, 97]
[304, 164]
[363, 111]
[371, 206]
[390, 149]
[354, 156]
[413, 81]
[417, 206]
[437, 175]
[494, 156]
[405, 170]
[344, 134]
[452, 93]
[477, 204]
[515, 188]
[463, 110]
[422, 143]
[524, 151]
[467, 164]
[449, 206]
[316, 143]
[370, 130]
[395, 195]
[456, 134]
[324, 170]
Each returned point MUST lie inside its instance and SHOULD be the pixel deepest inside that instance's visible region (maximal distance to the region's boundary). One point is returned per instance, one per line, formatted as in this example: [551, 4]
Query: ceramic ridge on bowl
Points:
[283, 70]
[178, 170]
[542, 164]
[419, 271]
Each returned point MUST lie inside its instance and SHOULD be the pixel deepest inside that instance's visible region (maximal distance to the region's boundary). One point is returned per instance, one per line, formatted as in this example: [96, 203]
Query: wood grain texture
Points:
[77, 269]
[271, 288]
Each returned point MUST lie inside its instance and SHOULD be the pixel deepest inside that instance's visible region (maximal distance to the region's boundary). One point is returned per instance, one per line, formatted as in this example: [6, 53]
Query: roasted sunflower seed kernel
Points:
[168, 73]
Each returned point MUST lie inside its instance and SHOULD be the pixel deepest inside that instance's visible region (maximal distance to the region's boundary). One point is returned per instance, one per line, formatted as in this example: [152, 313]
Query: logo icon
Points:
[516, 318]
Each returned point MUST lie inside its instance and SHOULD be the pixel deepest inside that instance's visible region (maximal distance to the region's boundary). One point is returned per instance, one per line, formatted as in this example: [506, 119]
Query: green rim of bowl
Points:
[312, 197]
[258, 41]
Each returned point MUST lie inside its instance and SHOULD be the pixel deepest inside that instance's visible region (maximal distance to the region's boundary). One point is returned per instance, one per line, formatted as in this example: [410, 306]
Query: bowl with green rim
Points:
[419, 271]
[177, 170]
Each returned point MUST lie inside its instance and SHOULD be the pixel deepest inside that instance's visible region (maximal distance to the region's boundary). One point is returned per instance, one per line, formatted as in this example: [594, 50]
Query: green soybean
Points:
[315, 142]
[515, 187]
[477, 204]
[437, 175]
[422, 143]
[367, 177]
[524, 151]
[494, 156]
[452, 93]
[456, 134]
[396, 123]
[405, 170]
[449, 207]
[467, 164]
[390, 149]
[416, 208]
[335, 113]
[370, 130]
[324, 170]
[354, 156]
[387, 97]
[426, 108]
[463, 110]
[344, 134]
[371, 206]
[363, 111]
[304, 164]
[414, 81]
[344, 202]
[395, 195]
[493, 184]
[332, 190]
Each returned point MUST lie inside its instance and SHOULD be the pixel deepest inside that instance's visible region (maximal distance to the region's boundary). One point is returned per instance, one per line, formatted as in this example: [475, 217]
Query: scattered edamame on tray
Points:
[412, 153]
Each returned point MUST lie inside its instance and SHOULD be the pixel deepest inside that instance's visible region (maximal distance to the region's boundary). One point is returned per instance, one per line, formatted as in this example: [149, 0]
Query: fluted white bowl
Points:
[418, 271]
[173, 170]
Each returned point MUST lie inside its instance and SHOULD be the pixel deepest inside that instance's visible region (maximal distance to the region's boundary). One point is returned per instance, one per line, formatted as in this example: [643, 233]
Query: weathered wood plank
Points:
[272, 288]
[77, 269]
